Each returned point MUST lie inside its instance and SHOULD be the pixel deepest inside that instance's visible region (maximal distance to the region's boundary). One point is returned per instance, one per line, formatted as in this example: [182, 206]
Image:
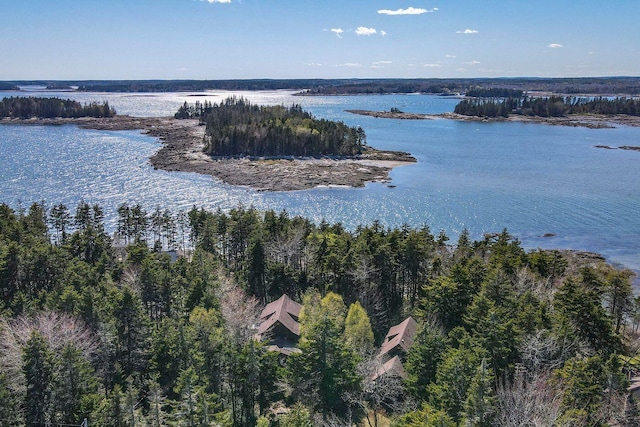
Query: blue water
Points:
[532, 179]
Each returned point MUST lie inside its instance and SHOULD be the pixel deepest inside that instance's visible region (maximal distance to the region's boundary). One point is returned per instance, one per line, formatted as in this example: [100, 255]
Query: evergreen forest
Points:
[553, 106]
[120, 331]
[48, 108]
[235, 127]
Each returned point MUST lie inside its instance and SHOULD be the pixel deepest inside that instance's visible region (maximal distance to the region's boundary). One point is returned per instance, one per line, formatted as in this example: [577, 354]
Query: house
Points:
[393, 365]
[395, 347]
[399, 339]
[279, 325]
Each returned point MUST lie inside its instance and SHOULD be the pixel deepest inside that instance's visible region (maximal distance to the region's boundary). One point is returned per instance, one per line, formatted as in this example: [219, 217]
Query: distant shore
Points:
[589, 121]
[182, 150]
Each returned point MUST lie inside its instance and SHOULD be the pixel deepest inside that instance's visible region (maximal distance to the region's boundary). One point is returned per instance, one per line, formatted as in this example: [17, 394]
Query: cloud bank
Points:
[554, 45]
[407, 11]
[467, 31]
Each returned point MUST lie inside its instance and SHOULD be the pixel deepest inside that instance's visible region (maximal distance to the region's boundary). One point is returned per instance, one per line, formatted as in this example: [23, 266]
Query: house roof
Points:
[284, 311]
[401, 335]
[393, 365]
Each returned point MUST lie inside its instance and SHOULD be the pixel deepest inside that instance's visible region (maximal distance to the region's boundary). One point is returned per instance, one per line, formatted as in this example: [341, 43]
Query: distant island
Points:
[49, 108]
[610, 86]
[266, 148]
[591, 112]
[549, 106]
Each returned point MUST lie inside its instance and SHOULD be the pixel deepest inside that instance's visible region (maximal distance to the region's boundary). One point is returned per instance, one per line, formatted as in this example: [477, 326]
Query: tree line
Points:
[494, 92]
[235, 127]
[561, 85]
[124, 336]
[552, 106]
[28, 107]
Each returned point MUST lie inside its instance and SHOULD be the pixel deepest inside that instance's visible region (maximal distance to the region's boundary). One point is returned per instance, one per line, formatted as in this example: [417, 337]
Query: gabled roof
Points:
[284, 311]
[393, 366]
[401, 336]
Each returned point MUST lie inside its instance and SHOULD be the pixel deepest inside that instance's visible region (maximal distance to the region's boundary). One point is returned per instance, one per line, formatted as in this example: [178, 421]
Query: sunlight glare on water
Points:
[531, 179]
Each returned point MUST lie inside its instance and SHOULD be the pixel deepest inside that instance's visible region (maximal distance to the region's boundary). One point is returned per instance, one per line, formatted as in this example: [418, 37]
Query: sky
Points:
[280, 39]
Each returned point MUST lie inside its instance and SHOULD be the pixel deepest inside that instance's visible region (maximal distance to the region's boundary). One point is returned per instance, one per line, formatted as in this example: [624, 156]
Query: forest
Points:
[112, 329]
[47, 108]
[552, 106]
[235, 127]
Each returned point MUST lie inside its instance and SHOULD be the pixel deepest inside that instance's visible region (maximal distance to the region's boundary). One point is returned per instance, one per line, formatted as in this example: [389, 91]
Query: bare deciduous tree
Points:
[240, 311]
[542, 351]
[57, 329]
[530, 401]
[380, 392]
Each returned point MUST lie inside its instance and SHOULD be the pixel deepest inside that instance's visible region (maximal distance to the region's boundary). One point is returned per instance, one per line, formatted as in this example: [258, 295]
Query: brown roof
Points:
[283, 310]
[393, 365]
[401, 336]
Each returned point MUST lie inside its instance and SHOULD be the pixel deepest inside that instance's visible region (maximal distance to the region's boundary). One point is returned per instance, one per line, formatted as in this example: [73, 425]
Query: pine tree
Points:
[38, 372]
[75, 386]
[480, 406]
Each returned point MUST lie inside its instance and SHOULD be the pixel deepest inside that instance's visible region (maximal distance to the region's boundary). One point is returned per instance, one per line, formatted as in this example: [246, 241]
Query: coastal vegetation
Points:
[115, 330]
[552, 106]
[42, 107]
[235, 127]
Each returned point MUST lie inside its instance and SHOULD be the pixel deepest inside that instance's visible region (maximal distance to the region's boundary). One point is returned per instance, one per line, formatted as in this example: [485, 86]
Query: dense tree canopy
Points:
[162, 341]
[235, 127]
[27, 107]
[553, 106]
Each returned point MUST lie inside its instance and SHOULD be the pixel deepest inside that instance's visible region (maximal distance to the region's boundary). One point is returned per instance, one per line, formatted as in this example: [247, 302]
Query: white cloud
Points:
[407, 11]
[218, 1]
[554, 45]
[364, 31]
[383, 33]
[314, 64]
[449, 56]
[338, 32]
[472, 62]
[467, 31]
[432, 65]
[380, 64]
[348, 64]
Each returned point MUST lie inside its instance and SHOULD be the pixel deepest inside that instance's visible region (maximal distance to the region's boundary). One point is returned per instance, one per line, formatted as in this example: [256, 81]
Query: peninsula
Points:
[186, 147]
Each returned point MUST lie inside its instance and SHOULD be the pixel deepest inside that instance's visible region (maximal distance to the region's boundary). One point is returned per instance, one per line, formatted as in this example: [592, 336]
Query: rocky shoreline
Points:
[589, 121]
[182, 144]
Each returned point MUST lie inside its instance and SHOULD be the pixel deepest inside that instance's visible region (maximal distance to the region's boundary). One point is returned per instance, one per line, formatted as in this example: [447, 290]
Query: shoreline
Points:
[182, 145]
[588, 121]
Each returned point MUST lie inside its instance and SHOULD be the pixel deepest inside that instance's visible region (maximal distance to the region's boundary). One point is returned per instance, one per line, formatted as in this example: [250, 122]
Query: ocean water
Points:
[532, 179]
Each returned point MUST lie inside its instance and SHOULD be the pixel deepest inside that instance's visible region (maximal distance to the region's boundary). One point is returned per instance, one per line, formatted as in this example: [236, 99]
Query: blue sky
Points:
[242, 39]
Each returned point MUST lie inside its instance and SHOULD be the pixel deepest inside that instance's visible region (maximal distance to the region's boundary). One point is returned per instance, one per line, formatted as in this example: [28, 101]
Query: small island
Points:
[266, 148]
[590, 112]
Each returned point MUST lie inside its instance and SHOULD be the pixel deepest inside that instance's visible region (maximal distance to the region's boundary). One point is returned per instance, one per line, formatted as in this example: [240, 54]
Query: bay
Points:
[532, 179]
